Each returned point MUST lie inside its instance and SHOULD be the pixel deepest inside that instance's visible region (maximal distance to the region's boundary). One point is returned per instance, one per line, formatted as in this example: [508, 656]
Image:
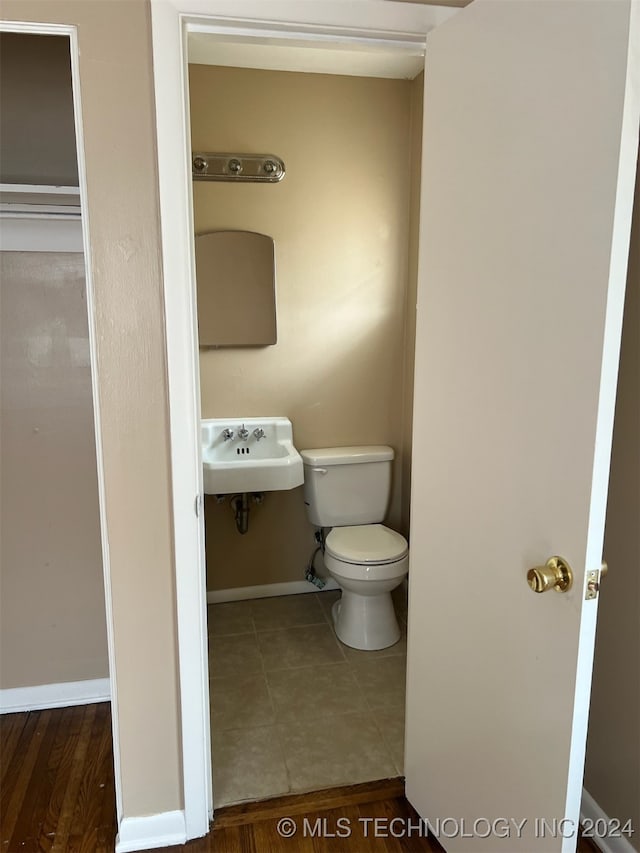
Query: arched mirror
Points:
[235, 273]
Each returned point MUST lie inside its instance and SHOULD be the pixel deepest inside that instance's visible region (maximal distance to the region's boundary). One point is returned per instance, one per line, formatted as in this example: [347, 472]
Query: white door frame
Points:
[65, 232]
[312, 20]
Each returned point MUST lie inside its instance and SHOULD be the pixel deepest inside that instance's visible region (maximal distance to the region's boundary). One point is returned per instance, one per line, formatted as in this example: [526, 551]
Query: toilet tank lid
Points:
[347, 455]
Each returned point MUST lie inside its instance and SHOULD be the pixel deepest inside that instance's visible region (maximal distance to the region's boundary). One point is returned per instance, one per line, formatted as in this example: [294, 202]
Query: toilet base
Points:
[366, 622]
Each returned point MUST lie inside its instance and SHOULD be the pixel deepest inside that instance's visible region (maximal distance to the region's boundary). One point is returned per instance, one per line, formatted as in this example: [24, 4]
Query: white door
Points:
[530, 145]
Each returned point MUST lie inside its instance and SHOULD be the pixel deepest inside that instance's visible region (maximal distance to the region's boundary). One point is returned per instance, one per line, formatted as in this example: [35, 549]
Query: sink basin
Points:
[263, 461]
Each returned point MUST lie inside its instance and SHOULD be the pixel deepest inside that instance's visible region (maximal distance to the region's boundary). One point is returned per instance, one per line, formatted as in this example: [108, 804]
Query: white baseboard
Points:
[150, 831]
[597, 823]
[61, 695]
[267, 590]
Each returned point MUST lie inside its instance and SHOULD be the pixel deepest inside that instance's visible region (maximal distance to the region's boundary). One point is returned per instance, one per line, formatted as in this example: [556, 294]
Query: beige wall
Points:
[439, 2]
[115, 45]
[417, 100]
[118, 124]
[37, 134]
[612, 774]
[340, 221]
[50, 559]
[119, 137]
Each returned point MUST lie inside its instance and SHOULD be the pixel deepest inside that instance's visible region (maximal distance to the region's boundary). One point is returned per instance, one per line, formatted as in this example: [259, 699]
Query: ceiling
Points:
[360, 58]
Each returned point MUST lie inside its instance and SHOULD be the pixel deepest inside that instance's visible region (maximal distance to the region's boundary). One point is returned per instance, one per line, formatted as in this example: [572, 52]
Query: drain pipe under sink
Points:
[240, 507]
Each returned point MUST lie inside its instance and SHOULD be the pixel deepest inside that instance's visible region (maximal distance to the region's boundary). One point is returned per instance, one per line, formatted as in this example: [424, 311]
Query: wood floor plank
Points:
[107, 788]
[36, 799]
[35, 730]
[12, 768]
[11, 728]
[88, 811]
[61, 761]
[329, 830]
[234, 839]
[105, 840]
[269, 840]
[382, 825]
[295, 804]
[61, 841]
[413, 842]
[91, 824]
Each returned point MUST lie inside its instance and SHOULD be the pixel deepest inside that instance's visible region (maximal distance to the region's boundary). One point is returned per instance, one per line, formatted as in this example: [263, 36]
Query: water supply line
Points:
[310, 573]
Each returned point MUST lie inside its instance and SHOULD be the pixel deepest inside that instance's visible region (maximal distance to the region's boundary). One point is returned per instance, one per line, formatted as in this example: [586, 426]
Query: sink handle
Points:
[227, 434]
[258, 433]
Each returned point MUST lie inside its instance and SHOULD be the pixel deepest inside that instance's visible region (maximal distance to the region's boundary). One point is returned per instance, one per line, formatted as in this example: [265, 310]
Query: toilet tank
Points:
[347, 485]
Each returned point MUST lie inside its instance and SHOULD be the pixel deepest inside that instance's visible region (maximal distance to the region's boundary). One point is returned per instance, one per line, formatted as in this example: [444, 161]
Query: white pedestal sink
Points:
[249, 455]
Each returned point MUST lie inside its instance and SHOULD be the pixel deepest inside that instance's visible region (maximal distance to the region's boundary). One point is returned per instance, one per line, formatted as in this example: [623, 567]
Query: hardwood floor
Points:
[57, 796]
[56, 783]
[336, 819]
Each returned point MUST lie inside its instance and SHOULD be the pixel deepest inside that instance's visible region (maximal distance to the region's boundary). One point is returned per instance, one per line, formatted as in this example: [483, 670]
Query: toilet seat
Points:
[367, 561]
[366, 545]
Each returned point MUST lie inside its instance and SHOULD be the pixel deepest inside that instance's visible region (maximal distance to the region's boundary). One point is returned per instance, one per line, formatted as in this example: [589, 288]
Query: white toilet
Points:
[347, 489]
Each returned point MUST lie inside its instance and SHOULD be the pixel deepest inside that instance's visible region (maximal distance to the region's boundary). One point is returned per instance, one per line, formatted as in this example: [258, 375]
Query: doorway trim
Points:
[171, 20]
[71, 32]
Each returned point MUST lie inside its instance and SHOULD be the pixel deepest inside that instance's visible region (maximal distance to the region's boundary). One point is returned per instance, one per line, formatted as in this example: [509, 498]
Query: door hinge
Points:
[197, 504]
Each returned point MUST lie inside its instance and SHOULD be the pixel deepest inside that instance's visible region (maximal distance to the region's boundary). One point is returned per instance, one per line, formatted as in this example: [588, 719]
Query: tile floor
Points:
[292, 708]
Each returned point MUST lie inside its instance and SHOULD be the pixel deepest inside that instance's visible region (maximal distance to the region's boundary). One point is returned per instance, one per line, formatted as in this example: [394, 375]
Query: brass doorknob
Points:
[555, 574]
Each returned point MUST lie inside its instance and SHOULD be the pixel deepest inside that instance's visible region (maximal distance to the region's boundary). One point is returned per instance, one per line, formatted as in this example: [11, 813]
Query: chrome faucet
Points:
[243, 433]
[227, 434]
[258, 433]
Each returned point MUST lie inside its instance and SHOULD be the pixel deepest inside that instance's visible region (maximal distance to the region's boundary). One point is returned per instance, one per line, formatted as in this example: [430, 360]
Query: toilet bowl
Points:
[367, 562]
[347, 489]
